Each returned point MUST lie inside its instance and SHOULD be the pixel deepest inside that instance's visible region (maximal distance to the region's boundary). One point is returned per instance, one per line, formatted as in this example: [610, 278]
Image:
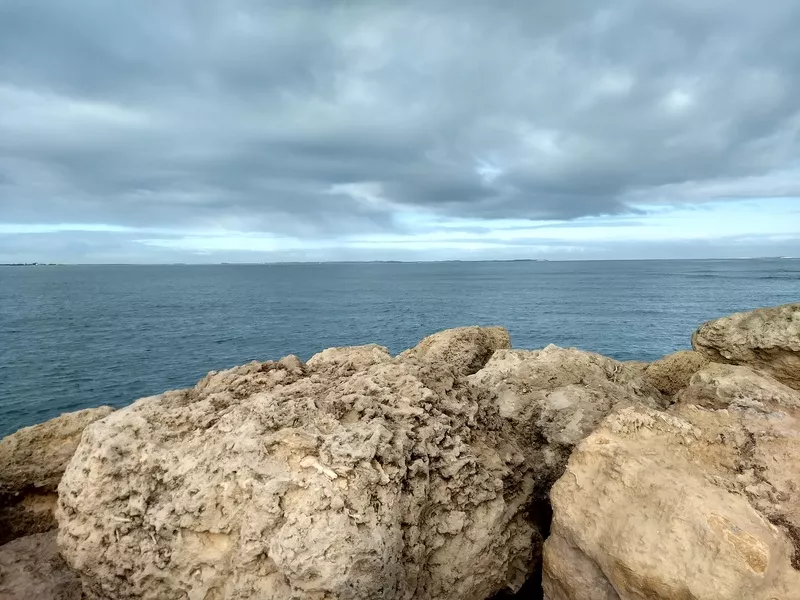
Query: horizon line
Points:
[433, 261]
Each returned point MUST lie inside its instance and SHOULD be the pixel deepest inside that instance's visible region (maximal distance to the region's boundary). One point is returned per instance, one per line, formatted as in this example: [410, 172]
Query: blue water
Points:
[81, 336]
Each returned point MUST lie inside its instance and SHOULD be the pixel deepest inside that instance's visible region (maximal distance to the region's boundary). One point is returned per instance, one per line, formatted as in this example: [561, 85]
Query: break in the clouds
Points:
[251, 130]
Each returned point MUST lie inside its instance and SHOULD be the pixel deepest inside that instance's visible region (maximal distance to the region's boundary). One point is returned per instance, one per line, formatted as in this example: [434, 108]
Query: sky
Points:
[257, 131]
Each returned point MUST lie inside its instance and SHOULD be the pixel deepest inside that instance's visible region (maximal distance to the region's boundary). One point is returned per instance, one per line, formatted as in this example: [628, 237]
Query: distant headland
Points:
[35, 264]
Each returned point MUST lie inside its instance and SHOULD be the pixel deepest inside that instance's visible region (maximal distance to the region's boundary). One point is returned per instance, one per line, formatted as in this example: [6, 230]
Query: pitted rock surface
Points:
[356, 475]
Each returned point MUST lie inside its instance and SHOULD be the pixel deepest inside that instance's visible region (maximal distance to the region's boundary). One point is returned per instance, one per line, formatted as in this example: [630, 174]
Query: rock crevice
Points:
[32, 461]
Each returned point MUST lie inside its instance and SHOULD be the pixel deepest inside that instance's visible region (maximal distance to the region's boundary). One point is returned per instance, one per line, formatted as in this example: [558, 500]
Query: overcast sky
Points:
[199, 131]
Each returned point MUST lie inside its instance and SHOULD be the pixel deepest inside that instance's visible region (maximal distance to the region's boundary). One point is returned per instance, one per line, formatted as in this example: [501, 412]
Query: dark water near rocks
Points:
[75, 337]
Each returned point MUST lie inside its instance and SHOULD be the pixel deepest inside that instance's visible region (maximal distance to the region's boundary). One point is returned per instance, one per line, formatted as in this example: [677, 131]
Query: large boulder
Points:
[32, 569]
[695, 503]
[767, 339]
[555, 397]
[32, 461]
[673, 372]
[354, 476]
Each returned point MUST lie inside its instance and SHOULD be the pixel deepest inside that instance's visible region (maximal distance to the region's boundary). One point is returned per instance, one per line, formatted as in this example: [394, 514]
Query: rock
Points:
[32, 569]
[343, 361]
[465, 349]
[31, 463]
[693, 503]
[766, 339]
[556, 397]
[724, 386]
[354, 476]
[637, 365]
[673, 372]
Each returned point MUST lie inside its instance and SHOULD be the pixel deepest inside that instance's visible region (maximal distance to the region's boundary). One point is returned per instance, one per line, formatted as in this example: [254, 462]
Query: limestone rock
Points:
[31, 463]
[723, 386]
[32, 569]
[354, 476]
[636, 365]
[556, 397]
[673, 372]
[464, 349]
[350, 359]
[766, 339]
[693, 503]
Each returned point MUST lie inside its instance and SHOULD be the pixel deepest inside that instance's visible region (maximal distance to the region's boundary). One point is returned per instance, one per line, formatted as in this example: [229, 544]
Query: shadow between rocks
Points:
[541, 513]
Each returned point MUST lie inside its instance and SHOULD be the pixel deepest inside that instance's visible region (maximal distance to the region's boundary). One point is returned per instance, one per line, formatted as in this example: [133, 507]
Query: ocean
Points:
[73, 337]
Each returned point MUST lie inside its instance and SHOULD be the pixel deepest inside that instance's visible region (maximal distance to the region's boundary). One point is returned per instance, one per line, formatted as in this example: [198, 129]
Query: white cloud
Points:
[678, 101]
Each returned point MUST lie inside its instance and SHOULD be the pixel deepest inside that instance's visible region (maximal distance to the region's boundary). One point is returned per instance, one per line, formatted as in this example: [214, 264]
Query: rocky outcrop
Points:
[360, 475]
[555, 397]
[31, 463]
[32, 569]
[354, 476]
[766, 339]
[673, 372]
[696, 503]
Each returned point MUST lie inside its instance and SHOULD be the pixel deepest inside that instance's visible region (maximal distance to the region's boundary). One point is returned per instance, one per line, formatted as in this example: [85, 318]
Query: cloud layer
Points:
[331, 120]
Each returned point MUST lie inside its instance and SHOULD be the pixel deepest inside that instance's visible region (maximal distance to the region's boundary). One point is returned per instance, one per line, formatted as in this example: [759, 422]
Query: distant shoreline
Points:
[393, 262]
[33, 265]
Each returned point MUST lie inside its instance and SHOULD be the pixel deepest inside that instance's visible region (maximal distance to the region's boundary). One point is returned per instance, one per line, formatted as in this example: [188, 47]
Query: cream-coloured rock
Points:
[556, 397]
[673, 372]
[721, 385]
[349, 359]
[465, 349]
[31, 463]
[636, 365]
[32, 569]
[690, 504]
[354, 476]
[766, 339]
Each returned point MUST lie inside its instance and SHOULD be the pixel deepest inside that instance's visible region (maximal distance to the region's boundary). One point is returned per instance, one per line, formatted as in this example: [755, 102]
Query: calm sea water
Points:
[75, 337]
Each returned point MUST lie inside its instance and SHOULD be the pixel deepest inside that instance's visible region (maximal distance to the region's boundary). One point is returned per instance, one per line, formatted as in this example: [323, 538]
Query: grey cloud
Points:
[246, 114]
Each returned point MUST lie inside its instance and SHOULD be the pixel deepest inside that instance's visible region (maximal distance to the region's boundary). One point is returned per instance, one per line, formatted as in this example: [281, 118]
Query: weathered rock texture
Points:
[723, 386]
[695, 503]
[767, 339]
[31, 463]
[354, 476]
[360, 476]
[32, 569]
[673, 372]
[464, 350]
[555, 397]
